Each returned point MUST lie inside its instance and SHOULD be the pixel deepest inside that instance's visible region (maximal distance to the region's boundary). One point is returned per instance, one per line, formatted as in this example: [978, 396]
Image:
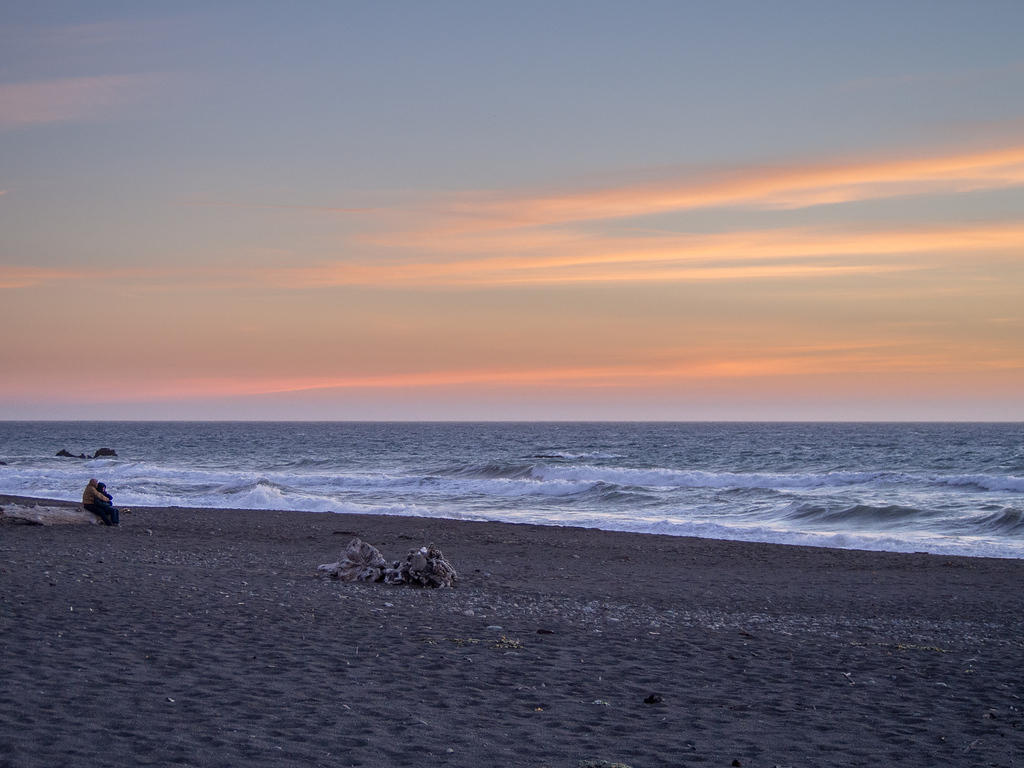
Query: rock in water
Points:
[104, 452]
[425, 567]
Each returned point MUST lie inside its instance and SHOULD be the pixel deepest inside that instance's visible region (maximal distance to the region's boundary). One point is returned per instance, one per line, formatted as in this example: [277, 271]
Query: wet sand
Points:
[197, 637]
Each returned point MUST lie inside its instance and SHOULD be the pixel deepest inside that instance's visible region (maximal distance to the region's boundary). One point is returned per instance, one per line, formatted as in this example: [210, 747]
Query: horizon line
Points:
[513, 421]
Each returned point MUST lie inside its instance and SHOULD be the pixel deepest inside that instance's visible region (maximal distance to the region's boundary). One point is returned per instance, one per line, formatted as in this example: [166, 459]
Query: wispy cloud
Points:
[790, 253]
[25, 277]
[68, 99]
[577, 236]
[795, 186]
[282, 206]
[903, 356]
[484, 218]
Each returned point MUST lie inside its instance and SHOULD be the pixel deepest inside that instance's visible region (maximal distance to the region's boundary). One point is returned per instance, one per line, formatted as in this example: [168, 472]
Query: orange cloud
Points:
[537, 239]
[787, 187]
[23, 277]
[729, 256]
[466, 275]
[482, 218]
[67, 99]
[153, 278]
[901, 357]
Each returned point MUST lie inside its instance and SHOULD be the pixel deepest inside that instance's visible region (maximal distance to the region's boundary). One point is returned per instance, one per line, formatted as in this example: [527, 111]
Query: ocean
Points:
[940, 488]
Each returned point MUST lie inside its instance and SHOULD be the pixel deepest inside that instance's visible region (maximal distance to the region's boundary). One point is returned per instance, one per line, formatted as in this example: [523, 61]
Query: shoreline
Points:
[205, 637]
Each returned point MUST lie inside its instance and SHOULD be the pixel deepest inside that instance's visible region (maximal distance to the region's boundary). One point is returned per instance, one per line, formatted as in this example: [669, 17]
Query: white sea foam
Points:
[576, 456]
[673, 478]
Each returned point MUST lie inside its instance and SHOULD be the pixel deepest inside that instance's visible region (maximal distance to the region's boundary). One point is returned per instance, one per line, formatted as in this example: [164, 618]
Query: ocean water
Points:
[941, 488]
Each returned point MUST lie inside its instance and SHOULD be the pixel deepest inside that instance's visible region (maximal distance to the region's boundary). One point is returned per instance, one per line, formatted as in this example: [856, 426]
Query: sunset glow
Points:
[493, 228]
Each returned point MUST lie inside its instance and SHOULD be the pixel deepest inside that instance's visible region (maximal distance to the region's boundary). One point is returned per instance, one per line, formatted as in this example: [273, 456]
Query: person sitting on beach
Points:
[100, 503]
[110, 497]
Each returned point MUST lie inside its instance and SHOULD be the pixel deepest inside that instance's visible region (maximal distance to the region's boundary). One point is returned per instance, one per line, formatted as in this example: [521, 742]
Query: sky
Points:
[512, 211]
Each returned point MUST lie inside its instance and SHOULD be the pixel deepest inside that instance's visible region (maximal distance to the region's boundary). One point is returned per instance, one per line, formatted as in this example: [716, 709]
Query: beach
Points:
[206, 637]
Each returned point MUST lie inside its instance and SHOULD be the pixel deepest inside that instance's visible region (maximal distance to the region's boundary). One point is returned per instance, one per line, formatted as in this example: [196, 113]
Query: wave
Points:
[676, 478]
[969, 512]
[857, 515]
[575, 456]
[668, 478]
[658, 477]
[489, 470]
[1003, 522]
[566, 472]
[967, 546]
[1009, 483]
[304, 464]
[612, 494]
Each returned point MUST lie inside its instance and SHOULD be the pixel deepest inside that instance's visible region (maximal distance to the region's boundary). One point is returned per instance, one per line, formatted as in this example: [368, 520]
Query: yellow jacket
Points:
[93, 495]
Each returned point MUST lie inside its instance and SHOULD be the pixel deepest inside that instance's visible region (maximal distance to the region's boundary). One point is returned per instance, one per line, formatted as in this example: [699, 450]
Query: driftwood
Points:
[21, 515]
[424, 567]
[362, 562]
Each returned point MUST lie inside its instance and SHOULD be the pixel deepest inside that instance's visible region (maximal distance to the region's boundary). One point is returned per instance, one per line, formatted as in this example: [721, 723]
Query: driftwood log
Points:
[16, 514]
[362, 562]
[423, 567]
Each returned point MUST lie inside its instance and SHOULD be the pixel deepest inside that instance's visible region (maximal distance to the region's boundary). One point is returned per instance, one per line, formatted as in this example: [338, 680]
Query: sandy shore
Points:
[205, 638]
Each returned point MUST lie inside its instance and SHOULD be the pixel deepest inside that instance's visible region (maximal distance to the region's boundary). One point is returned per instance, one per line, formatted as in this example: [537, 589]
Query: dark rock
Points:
[736, 764]
[104, 452]
[654, 698]
[65, 453]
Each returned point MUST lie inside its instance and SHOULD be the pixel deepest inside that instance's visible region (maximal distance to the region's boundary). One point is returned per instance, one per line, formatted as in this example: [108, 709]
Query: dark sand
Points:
[205, 638]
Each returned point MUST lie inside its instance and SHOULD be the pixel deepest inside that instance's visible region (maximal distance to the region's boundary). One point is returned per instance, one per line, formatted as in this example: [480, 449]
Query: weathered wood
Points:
[424, 567]
[15, 514]
[362, 562]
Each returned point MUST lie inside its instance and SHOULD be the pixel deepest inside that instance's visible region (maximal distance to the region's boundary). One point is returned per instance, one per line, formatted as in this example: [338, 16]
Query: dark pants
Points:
[109, 514]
